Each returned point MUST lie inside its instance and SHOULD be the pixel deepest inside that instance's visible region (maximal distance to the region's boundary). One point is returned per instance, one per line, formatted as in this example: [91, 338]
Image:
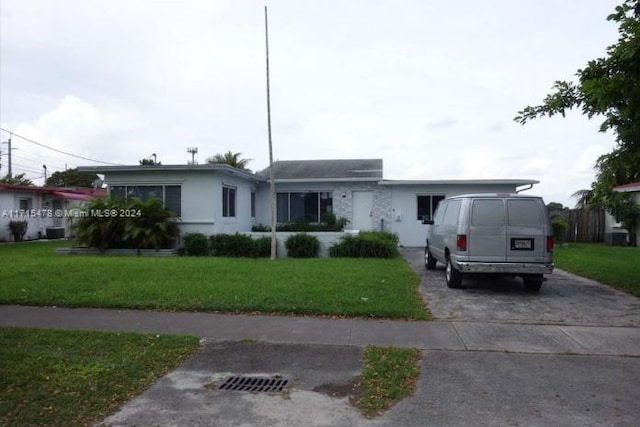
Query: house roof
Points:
[516, 182]
[326, 170]
[78, 193]
[163, 168]
[627, 188]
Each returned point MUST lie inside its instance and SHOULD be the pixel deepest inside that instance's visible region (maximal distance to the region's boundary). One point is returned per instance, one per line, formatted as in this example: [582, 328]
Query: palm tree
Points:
[231, 159]
[584, 199]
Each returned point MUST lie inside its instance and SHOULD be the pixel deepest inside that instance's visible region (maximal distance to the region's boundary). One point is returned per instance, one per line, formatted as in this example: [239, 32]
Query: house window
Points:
[253, 204]
[427, 206]
[228, 202]
[303, 206]
[170, 195]
[25, 204]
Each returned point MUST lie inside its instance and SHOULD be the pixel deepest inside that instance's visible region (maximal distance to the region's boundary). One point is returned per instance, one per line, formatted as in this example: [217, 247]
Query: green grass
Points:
[65, 378]
[389, 375]
[616, 266]
[32, 274]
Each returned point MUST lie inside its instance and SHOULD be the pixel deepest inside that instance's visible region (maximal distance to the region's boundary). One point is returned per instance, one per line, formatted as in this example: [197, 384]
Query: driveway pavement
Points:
[565, 299]
[500, 356]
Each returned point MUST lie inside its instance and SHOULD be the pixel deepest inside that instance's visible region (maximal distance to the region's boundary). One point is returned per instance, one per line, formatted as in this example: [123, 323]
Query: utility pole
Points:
[272, 182]
[9, 156]
[44, 168]
[193, 151]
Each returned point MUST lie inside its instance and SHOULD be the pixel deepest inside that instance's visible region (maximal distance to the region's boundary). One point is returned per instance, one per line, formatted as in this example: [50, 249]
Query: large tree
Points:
[71, 178]
[608, 87]
[231, 159]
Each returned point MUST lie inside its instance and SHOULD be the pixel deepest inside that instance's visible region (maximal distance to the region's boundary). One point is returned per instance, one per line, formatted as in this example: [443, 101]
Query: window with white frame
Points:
[25, 203]
[228, 201]
[427, 205]
[170, 195]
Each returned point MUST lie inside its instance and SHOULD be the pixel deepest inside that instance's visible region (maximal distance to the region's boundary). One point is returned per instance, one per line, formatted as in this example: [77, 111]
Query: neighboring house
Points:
[221, 199]
[47, 210]
[614, 233]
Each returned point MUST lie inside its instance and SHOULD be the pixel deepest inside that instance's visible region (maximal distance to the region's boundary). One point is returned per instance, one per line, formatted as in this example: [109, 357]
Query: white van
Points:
[491, 233]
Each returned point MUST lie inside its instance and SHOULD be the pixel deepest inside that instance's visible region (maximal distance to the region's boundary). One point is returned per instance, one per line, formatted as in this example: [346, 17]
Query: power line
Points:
[59, 151]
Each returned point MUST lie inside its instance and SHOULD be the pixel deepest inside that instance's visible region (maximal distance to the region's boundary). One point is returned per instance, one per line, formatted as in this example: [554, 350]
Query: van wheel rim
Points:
[448, 270]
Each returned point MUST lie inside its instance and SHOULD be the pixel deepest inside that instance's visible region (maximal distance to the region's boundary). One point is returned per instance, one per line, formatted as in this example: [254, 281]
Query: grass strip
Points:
[33, 274]
[616, 266]
[64, 378]
[389, 375]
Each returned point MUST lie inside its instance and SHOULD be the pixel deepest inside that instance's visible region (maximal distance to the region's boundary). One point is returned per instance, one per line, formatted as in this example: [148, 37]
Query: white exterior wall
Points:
[201, 197]
[38, 222]
[404, 206]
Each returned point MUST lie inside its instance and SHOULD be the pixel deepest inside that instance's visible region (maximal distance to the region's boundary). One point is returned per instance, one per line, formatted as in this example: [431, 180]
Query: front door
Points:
[362, 210]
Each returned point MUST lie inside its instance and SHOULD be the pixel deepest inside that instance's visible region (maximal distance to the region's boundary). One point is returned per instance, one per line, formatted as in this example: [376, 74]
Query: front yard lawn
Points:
[617, 266]
[69, 378]
[32, 274]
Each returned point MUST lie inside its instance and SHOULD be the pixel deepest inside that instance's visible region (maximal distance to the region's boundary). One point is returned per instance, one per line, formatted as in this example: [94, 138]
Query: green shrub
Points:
[150, 225]
[116, 223]
[239, 245]
[262, 247]
[329, 223]
[560, 225]
[195, 244]
[18, 229]
[302, 245]
[367, 244]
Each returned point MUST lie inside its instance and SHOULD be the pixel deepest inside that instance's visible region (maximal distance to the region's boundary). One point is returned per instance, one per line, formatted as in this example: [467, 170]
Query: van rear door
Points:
[487, 230]
[526, 239]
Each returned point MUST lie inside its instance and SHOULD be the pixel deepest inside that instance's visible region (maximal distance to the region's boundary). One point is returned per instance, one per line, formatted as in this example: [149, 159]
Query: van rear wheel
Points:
[429, 260]
[453, 276]
[533, 282]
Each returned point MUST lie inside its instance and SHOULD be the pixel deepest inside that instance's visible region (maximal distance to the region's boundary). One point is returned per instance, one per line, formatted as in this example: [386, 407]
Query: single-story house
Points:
[47, 210]
[217, 198]
[614, 233]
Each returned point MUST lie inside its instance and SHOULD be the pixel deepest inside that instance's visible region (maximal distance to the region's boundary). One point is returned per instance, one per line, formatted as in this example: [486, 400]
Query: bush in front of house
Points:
[18, 229]
[196, 244]
[239, 245]
[302, 245]
[109, 223]
[329, 223]
[366, 244]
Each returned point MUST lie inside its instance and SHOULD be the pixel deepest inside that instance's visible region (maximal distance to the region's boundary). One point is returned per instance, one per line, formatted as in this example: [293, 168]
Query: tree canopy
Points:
[231, 159]
[18, 179]
[608, 87]
[71, 178]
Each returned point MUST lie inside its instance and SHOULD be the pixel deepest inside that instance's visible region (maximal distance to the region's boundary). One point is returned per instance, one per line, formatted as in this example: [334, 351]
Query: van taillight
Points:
[461, 242]
[549, 243]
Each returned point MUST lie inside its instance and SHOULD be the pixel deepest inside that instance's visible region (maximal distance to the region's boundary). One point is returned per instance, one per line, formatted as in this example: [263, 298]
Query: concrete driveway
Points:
[565, 299]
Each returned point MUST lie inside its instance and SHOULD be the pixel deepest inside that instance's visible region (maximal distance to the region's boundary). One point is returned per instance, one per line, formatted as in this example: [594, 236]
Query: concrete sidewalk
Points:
[435, 335]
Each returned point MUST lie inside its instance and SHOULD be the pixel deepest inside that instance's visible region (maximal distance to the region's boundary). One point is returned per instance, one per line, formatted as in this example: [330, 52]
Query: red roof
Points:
[79, 193]
[627, 188]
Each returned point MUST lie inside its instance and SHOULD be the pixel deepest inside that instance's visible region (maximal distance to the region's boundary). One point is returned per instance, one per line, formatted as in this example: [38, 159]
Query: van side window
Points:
[524, 212]
[487, 212]
[453, 211]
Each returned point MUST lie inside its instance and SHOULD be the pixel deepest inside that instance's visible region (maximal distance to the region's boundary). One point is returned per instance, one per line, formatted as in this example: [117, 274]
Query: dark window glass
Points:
[228, 202]
[487, 212]
[118, 192]
[173, 199]
[427, 206]
[282, 207]
[253, 204]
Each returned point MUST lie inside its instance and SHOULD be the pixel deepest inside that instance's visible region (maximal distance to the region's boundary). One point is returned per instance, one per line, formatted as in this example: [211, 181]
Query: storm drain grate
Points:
[254, 384]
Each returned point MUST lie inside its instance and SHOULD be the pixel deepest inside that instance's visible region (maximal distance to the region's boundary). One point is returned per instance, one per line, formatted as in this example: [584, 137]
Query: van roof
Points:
[495, 195]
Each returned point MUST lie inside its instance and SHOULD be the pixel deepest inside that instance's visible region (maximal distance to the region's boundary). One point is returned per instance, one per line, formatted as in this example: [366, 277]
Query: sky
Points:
[431, 87]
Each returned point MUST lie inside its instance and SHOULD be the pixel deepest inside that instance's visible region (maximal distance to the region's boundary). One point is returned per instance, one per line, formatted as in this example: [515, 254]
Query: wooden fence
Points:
[585, 226]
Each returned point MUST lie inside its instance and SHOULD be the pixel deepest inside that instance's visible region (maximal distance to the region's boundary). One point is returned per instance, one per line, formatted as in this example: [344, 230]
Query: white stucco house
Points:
[221, 199]
[615, 234]
[45, 209]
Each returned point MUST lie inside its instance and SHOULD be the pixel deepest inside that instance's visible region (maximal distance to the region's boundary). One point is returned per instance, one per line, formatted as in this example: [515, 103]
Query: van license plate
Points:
[521, 244]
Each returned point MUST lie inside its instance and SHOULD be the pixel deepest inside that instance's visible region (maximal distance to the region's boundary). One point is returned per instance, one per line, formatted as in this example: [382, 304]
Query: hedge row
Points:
[367, 244]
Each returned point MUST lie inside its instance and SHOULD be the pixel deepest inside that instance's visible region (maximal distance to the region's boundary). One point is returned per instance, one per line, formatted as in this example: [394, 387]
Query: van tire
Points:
[429, 260]
[533, 283]
[452, 276]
